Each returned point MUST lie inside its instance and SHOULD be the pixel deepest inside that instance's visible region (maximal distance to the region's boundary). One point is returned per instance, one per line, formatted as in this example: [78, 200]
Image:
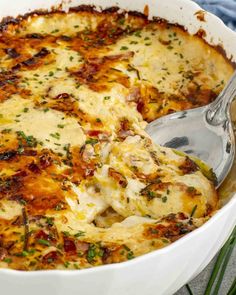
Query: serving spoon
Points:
[205, 132]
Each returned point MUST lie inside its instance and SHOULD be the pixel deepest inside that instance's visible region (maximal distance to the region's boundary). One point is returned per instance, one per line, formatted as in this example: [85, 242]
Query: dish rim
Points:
[171, 247]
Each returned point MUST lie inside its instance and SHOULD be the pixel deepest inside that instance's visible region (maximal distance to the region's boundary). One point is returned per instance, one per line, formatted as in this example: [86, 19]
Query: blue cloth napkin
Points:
[225, 9]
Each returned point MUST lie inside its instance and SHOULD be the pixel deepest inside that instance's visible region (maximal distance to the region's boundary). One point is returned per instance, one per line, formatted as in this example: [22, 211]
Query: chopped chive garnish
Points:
[91, 141]
[7, 260]
[193, 211]
[80, 233]
[223, 255]
[55, 135]
[164, 199]
[44, 242]
[189, 289]
[223, 268]
[232, 289]
[60, 126]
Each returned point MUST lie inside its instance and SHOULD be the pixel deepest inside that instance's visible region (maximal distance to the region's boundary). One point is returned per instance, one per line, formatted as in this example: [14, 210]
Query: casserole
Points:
[161, 291]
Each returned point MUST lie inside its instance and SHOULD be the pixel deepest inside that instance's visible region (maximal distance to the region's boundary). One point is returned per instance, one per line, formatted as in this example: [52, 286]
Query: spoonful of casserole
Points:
[205, 132]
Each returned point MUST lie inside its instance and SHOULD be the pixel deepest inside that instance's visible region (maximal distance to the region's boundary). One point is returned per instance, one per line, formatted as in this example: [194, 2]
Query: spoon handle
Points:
[218, 111]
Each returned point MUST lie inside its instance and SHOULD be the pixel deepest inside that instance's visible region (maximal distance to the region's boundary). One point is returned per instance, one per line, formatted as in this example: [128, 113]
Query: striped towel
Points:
[225, 9]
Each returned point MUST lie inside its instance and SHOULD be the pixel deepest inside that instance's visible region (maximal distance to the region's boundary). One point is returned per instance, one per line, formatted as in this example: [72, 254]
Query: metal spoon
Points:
[205, 132]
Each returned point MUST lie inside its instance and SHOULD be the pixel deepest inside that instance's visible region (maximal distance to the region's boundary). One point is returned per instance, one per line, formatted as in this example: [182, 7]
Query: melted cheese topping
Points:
[81, 183]
[43, 124]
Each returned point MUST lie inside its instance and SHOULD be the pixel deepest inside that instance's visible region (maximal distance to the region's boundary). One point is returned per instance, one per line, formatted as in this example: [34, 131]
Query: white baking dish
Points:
[163, 271]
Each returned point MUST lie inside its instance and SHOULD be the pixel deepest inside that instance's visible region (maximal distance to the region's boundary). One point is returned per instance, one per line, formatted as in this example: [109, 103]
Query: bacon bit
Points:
[125, 129]
[28, 152]
[89, 172]
[87, 153]
[83, 165]
[42, 235]
[125, 133]
[140, 106]
[134, 95]
[112, 254]
[106, 255]
[45, 161]
[149, 94]
[94, 133]
[69, 245]
[179, 216]
[189, 166]
[34, 168]
[108, 32]
[3, 253]
[87, 72]
[125, 125]
[9, 244]
[82, 246]
[102, 135]
[36, 218]
[20, 174]
[51, 257]
[118, 177]
[103, 29]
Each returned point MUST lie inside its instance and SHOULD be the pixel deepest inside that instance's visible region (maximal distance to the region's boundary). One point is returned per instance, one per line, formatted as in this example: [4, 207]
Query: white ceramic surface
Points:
[161, 272]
